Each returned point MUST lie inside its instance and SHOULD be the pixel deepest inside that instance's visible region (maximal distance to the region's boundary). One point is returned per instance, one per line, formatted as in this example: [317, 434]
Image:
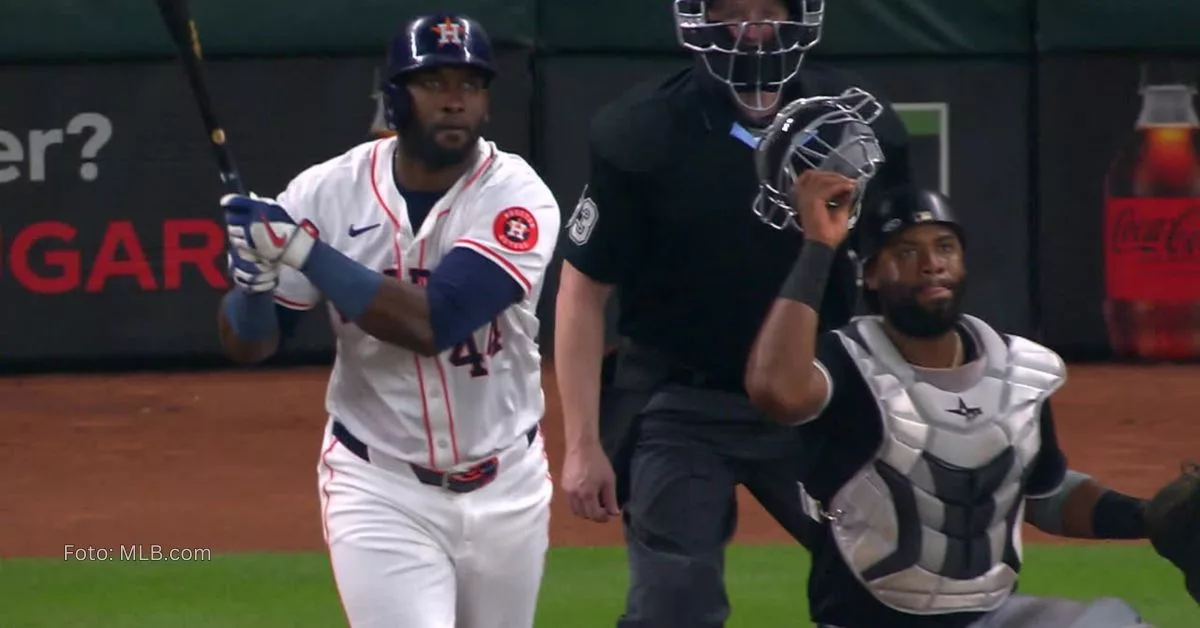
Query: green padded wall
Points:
[1147, 25]
[880, 27]
[54, 29]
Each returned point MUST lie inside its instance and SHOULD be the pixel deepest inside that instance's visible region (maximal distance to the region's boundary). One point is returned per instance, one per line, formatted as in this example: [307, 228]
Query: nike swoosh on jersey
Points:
[354, 233]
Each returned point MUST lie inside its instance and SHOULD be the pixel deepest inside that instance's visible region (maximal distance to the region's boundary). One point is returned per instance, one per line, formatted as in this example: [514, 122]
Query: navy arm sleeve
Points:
[1050, 465]
[604, 236]
[464, 292]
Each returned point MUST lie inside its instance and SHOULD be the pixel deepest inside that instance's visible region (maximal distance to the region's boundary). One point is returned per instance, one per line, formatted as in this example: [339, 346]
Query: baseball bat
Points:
[182, 28]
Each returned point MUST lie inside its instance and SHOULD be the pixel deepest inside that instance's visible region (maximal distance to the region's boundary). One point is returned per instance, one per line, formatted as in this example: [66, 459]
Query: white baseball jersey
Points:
[477, 397]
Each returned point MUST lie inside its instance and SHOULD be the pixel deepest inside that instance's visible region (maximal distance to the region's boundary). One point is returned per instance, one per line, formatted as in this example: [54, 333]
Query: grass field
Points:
[583, 588]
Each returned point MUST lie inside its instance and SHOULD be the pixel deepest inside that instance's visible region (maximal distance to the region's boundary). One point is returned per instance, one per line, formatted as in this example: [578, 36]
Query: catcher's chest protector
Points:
[928, 525]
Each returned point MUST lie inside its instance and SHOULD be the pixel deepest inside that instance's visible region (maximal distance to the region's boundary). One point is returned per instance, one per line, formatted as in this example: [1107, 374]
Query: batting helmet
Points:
[892, 212]
[431, 41]
[898, 209]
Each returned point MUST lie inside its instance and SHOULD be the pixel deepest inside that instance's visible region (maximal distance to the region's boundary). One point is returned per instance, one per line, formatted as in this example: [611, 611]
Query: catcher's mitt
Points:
[1173, 524]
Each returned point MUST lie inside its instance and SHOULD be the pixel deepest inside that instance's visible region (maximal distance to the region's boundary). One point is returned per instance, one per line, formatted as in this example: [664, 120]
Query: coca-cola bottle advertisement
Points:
[1152, 224]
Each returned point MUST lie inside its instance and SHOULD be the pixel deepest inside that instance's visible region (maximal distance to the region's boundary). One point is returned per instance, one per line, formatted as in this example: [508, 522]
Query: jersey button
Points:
[443, 443]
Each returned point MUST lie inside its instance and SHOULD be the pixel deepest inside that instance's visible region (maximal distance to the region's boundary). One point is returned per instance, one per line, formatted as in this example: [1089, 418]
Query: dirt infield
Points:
[227, 461]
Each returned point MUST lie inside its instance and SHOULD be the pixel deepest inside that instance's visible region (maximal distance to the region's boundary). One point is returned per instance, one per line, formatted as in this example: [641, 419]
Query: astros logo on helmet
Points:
[449, 33]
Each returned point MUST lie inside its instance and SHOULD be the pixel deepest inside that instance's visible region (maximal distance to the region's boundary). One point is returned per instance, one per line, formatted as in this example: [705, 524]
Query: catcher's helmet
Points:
[898, 209]
[824, 132]
[430, 41]
[744, 61]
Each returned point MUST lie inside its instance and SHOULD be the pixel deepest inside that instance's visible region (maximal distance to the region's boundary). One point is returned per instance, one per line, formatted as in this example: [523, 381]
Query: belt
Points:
[695, 378]
[642, 366]
[476, 477]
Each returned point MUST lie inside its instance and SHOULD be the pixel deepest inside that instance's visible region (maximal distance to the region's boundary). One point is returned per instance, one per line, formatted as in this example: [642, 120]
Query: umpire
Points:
[665, 220]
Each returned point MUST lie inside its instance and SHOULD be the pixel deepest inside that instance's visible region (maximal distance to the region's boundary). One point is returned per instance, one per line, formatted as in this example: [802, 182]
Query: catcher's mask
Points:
[755, 64]
[825, 133]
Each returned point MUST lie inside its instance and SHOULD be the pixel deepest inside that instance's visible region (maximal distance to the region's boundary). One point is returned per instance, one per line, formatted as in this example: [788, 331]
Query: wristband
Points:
[1119, 516]
[806, 283]
[350, 286]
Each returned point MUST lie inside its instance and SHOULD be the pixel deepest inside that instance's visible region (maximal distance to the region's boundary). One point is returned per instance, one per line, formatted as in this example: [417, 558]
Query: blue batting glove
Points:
[265, 231]
[251, 275]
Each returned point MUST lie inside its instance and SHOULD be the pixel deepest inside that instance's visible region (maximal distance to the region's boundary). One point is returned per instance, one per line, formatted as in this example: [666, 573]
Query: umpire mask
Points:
[825, 133]
[753, 56]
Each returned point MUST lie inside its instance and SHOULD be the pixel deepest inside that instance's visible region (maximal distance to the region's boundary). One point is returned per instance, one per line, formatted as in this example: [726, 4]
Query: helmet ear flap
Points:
[397, 104]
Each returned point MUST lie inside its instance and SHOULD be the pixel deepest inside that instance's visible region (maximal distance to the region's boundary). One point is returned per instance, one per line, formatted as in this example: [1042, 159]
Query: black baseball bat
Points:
[182, 29]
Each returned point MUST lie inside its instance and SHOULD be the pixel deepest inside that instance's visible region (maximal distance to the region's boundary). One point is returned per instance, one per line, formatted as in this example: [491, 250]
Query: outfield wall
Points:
[110, 241]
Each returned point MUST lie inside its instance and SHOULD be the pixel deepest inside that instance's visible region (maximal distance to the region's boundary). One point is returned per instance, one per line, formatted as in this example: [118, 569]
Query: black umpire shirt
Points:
[667, 217]
[837, 443]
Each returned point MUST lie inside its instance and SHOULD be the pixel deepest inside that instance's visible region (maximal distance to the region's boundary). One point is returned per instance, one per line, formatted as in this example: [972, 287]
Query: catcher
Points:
[929, 435]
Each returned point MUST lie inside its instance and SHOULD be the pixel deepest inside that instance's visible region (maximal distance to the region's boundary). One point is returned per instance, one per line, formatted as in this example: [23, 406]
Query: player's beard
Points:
[902, 309]
[420, 143]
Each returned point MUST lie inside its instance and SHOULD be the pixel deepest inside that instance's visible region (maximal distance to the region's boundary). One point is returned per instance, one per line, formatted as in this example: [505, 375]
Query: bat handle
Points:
[233, 183]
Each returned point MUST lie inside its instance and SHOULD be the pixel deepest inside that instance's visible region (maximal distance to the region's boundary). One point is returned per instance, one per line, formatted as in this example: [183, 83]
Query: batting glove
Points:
[249, 273]
[265, 231]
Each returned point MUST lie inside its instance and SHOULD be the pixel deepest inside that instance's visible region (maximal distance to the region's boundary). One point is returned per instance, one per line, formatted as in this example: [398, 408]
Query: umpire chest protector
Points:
[932, 524]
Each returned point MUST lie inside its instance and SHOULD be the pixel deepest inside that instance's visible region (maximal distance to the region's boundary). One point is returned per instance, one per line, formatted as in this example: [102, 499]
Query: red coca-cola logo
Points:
[1176, 235]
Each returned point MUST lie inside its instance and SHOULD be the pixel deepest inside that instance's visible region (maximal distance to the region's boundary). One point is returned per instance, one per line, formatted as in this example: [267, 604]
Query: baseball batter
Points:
[429, 249]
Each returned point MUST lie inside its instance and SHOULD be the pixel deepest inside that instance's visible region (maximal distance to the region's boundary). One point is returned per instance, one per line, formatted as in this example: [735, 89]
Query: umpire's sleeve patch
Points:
[583, 220]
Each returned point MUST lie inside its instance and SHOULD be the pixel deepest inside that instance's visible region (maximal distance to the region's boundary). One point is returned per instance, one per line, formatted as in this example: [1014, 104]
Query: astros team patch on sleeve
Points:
[516, 229]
